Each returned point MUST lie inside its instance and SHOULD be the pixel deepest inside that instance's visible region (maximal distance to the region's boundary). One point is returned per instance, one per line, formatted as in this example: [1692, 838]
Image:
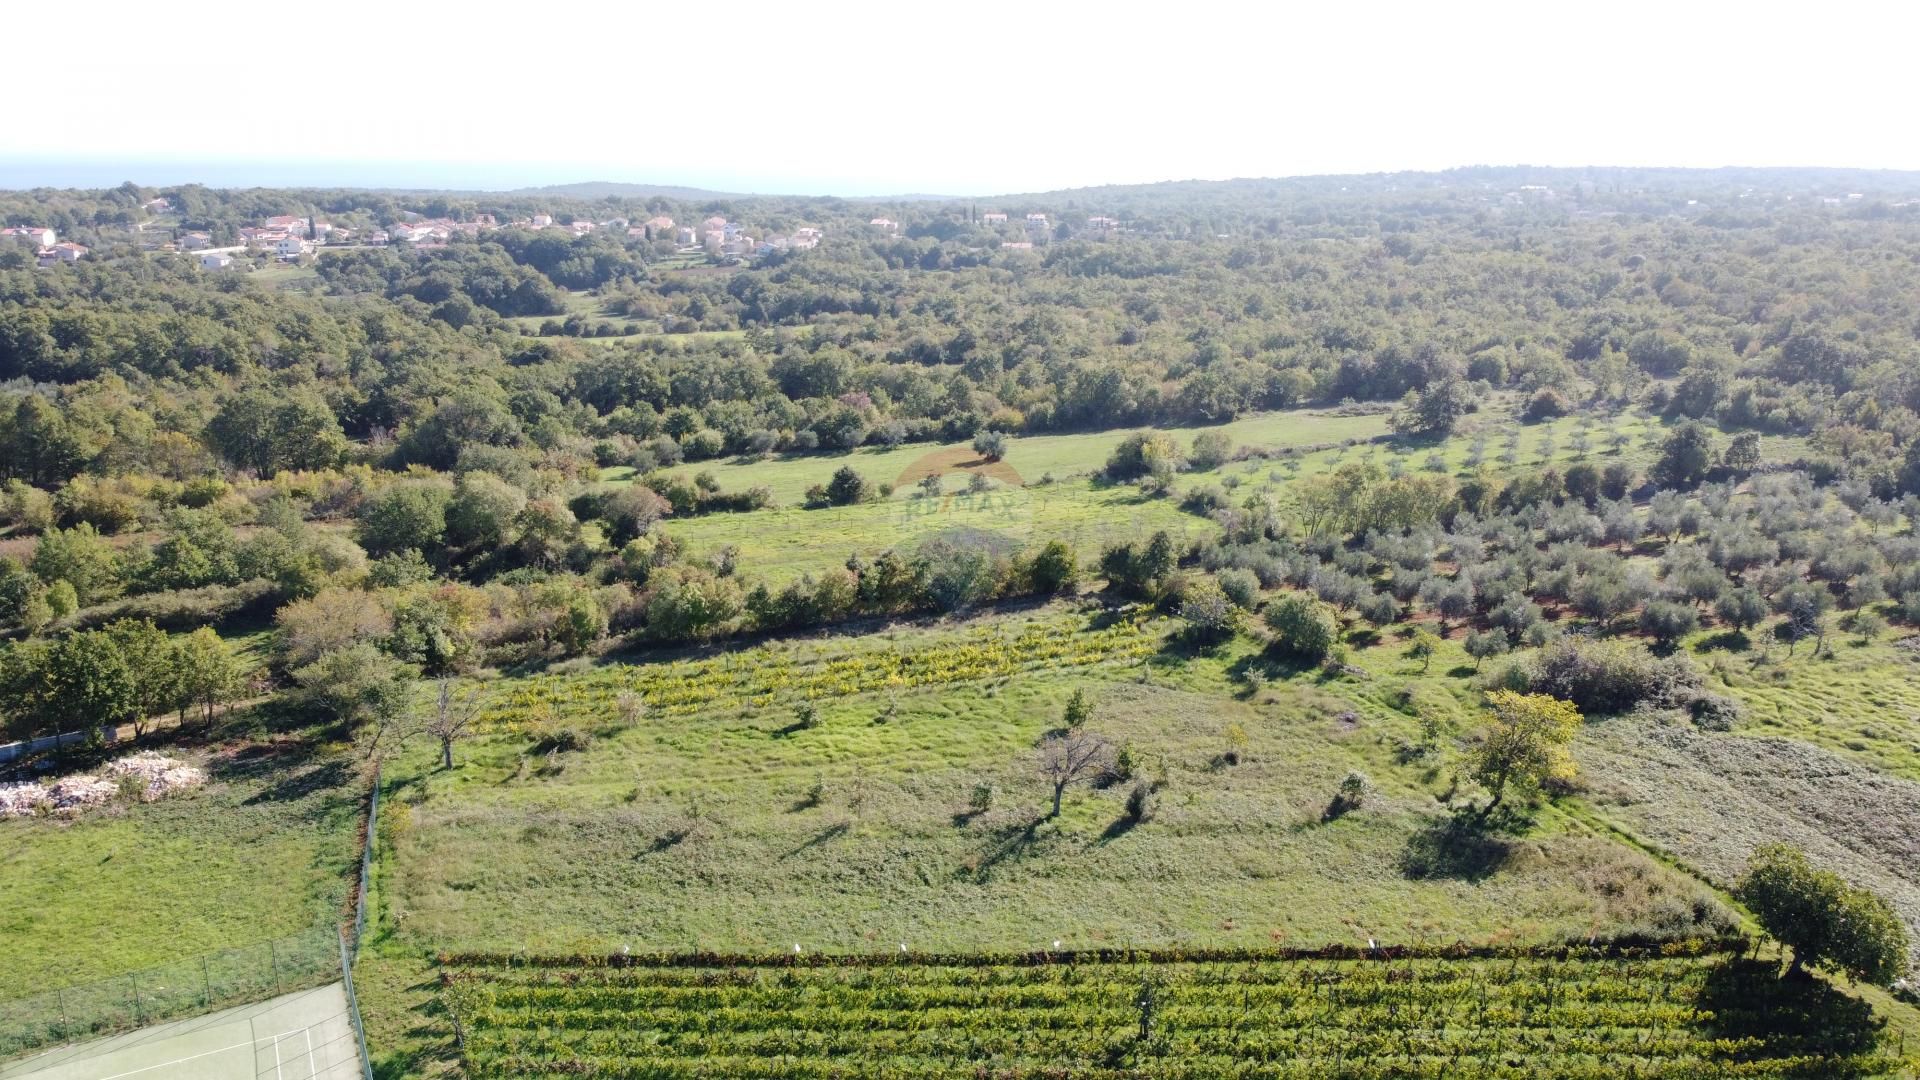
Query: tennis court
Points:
[301, 1036]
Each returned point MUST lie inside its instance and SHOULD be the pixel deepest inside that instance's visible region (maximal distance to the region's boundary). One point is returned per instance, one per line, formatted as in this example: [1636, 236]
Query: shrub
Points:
[1211, 449]
[1606, 677]
[1545, 404]
[1302, 626]
[1241, 587]
[1141, 454]
[1209, 614]
[981, 798]
[1354, 789]
[1054, 568]
[1140, 802]
[847, 487]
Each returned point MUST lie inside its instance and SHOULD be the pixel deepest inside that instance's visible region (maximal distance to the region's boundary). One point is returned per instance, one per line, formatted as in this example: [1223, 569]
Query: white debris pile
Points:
[151, 775]
[157, 774]
[72, 794]
[21, 800]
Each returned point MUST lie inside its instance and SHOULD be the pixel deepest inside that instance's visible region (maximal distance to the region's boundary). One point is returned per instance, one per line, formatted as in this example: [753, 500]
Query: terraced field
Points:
[1695, 1011]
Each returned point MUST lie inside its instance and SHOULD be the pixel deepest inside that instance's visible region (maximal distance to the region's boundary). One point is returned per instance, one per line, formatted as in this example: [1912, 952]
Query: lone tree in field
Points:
[454, 718]
[1526, 745]
[1829, 925]
[990, 445]
[1076, 757]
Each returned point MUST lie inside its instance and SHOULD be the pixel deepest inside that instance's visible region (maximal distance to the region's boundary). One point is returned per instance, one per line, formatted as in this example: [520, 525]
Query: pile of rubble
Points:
[146, 775]
[157, 774]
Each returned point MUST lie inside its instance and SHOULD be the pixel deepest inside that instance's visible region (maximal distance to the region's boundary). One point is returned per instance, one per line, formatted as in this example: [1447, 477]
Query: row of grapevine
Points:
[760, 676]
[1703, 1011]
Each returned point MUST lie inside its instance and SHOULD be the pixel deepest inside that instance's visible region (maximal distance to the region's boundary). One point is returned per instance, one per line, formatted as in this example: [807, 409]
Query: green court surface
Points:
[302, 1036]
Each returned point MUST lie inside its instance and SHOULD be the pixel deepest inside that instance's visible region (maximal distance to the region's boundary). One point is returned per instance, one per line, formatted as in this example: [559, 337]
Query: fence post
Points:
[206, 984]
[60, 997]
[138, 1014]
[273, 961]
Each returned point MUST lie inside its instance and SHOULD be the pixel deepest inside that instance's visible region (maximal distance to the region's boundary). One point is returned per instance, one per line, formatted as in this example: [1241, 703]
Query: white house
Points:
[993, 217]
[194, 241]
[157, 206]
[60, 253]
[541, 221]
[216, 260]
[292, 248]
[37, 235]
[884, 224]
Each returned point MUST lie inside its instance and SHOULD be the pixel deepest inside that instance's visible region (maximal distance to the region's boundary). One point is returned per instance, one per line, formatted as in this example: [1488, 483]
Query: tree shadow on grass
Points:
[1256, 669]
[1178, 650]
[1118, 828]
[1793, 1016]
[825, 836]
[1005, 845]
[288, 774]
[1454, 848]
[1726, 640]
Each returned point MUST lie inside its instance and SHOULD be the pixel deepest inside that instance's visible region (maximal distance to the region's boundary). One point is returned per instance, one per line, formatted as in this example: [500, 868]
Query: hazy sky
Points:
[867, 98]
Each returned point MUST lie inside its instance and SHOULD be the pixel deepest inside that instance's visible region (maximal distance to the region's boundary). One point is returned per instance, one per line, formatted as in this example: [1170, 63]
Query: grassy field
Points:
[720, 823]
[782, 543]
[1569, 1016]
[1030, 457]
[285, 276]
[265, 850]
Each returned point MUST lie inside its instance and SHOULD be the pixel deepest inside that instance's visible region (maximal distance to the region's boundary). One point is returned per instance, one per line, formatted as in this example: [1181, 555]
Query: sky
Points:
[858, 98]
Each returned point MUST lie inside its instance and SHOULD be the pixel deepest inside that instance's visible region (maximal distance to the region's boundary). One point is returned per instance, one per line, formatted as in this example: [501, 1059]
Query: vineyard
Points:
[759, 677]
[1687, 1010]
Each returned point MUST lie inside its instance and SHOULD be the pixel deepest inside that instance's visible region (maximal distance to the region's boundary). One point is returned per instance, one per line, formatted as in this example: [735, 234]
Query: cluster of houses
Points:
[1039, 227]
[47, 245]
[289, 237]
[719, 237]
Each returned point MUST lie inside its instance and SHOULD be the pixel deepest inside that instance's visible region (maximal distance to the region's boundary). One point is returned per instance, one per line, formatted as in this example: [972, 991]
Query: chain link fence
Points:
[169, 991]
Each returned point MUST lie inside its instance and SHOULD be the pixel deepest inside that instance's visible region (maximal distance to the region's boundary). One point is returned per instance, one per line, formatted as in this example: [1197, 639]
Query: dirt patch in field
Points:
[957, 459]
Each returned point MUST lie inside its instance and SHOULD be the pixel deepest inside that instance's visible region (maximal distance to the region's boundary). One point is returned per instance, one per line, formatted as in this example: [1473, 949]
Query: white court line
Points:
[276, 1057]
[311, 1074]
[205, 1053]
